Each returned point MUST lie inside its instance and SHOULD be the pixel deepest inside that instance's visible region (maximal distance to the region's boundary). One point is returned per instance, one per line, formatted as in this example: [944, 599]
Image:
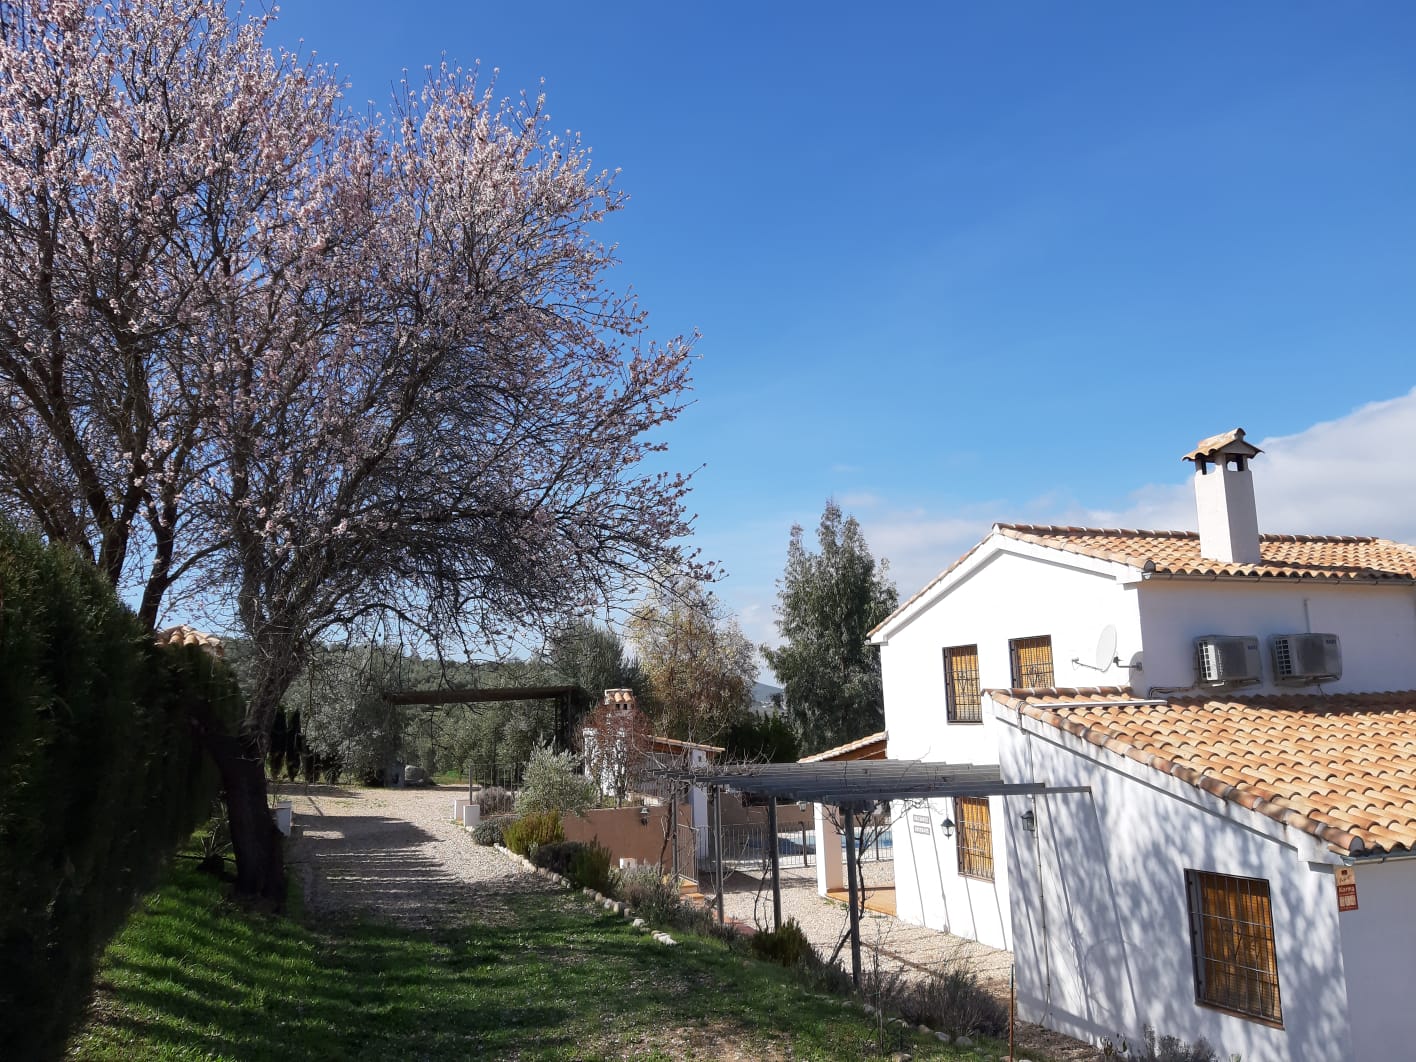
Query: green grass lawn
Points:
[194, 976]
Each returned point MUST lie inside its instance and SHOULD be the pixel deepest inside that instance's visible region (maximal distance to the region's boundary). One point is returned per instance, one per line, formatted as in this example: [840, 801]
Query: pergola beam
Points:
[857, 781]
[482, 695]
[850, 786]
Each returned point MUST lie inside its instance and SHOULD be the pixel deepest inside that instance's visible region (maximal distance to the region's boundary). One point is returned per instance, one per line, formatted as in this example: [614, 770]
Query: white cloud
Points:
[1350, 476]
[919, 546]
[758, 619]
[1355, 475]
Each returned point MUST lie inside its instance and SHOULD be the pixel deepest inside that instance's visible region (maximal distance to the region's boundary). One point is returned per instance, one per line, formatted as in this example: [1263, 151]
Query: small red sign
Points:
[1346, 888]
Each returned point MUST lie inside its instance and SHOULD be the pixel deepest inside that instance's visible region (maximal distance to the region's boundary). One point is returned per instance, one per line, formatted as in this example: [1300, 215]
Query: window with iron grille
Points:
[975, 837]
[1231, 935]
[1032, 661]
[961, 685]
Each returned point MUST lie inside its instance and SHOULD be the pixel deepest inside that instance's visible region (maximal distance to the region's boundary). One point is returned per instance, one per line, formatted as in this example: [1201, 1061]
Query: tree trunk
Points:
[260, 859]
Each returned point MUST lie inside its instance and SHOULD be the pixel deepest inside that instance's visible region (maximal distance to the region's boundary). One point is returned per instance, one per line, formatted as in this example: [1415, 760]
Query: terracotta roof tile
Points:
[185, 635]
[1339, 767]
[859, 749]
[1335, 557]
[1232, 440]
[1177, 553]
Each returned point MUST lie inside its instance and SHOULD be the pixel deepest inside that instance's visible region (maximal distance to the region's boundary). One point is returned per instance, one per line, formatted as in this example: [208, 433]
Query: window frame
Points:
[975, 859]
[1251, 967]
[952, 712]
[1016, 646]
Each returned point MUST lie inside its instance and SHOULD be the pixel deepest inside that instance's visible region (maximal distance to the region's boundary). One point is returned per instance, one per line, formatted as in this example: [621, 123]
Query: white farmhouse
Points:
[1234, 861]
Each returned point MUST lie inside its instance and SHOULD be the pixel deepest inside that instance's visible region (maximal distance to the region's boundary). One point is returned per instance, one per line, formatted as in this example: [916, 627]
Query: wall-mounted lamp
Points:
[948, 827]
[801, 805]
[644, 814]
[1029, 821]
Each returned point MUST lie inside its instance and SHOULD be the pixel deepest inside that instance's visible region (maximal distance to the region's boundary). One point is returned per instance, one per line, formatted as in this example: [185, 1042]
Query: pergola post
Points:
[848, 813]
[718, 845]
[776, 870]
[673, 831]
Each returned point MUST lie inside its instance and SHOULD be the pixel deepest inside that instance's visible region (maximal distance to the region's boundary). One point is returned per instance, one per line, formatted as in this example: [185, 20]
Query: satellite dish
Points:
[1106, 648]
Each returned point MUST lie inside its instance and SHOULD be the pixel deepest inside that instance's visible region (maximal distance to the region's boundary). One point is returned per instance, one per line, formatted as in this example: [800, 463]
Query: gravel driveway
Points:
[395, 853]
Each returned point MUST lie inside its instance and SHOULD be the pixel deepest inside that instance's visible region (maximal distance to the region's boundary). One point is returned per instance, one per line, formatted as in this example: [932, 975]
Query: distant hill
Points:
[762, 697]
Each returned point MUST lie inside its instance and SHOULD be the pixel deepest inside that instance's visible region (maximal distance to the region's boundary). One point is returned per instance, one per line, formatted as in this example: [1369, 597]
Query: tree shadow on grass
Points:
[552, 978]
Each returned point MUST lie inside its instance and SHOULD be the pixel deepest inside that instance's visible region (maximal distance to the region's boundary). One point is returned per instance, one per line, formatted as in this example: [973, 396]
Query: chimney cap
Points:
[1229, 442]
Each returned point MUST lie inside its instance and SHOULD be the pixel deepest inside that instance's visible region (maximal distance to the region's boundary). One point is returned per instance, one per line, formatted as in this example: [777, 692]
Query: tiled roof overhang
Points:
[1339, 559]
[1341, 768]
[869, 747]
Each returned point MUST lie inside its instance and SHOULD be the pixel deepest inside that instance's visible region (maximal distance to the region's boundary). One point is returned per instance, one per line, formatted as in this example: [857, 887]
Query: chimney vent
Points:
[1224, 498]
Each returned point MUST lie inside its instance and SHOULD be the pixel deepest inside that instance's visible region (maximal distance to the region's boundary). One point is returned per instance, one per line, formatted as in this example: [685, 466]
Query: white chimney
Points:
[1224, 498]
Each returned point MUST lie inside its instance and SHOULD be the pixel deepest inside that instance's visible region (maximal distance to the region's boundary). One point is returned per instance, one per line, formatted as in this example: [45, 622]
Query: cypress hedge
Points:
[100, 777]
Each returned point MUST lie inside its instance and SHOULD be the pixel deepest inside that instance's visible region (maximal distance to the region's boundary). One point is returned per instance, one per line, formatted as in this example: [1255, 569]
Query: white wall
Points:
[929, 890]
[1006, 596]
[1379, 955]
[1101, 934]
[1377, 625]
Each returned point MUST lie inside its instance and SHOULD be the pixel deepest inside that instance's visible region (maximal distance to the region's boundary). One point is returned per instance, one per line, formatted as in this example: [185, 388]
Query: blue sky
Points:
[962, 263]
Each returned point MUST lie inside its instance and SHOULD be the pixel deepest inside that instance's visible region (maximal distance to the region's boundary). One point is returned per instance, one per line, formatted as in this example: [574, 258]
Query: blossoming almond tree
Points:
[320, 370]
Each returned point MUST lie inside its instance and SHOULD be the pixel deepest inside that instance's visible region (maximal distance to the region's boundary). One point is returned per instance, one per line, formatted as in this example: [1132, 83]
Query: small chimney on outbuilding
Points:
[621, 698]
[1224, 498]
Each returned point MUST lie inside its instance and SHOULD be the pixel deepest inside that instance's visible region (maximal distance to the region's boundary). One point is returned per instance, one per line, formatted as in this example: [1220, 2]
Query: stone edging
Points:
[618, 907]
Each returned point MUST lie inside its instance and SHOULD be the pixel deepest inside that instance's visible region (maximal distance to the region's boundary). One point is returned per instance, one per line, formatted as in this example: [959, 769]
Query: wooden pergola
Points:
[564, 696]
[851, 786]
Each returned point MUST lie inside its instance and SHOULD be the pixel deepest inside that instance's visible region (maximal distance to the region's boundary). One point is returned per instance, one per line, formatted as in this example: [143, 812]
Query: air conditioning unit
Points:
[1303, 659]
[1227, 660]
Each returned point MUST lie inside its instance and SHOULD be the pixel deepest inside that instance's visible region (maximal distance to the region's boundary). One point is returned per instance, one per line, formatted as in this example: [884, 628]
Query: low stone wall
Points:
[623, 832]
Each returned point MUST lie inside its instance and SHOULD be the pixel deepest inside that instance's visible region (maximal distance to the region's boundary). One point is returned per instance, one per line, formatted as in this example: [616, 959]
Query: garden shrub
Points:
[491, 831]
[556, 857]
[1174, 1049]
[691, 918]
[103, 778]
[822, 976]
[587, 866]
[550, 783]
[954, 1000]
[654, 898]
[786, 946]
[590, 867]
[494, 800]
[531, 830]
